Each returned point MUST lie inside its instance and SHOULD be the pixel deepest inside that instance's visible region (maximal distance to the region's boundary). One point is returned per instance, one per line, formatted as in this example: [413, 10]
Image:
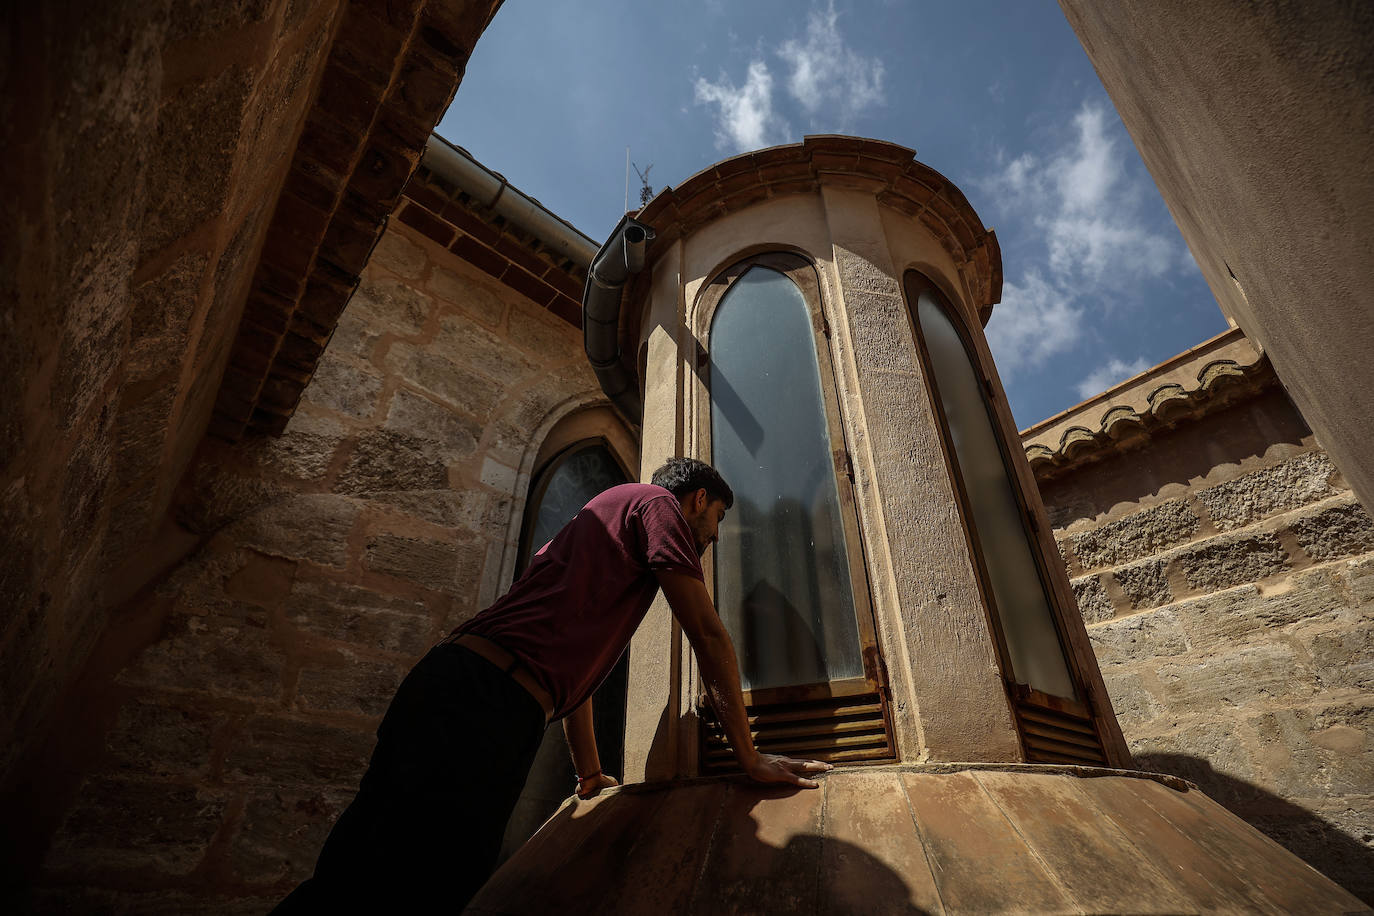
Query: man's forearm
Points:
[578, 729]
[720, 674]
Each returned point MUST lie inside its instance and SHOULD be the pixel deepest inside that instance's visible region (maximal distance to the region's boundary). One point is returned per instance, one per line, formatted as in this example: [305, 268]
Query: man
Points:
[457, 742]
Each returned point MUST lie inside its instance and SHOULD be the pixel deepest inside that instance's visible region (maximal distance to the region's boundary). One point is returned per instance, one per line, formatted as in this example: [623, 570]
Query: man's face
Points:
[703, 516]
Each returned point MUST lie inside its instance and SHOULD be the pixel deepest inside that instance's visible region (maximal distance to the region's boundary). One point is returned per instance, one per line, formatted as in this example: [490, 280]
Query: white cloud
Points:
[1108, 374]
[1034, 322]
[830, 82]
[829, 78]
[746, 119]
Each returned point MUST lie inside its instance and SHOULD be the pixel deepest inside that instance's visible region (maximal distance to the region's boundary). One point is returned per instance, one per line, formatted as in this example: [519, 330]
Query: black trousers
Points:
[424, 831]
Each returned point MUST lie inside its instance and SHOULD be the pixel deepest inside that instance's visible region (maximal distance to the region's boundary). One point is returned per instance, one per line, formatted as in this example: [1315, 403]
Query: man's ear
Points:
[699, 500]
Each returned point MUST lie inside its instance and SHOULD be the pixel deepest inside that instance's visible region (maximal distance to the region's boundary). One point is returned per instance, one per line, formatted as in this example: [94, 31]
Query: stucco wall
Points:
[335, 555]
[1226, 574]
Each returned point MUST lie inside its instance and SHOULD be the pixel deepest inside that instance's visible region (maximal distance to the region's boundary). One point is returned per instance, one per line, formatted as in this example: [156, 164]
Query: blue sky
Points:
[997, 96]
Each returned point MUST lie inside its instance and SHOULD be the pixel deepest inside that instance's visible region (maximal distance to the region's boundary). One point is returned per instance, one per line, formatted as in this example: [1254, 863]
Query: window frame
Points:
[542, 477]
[803, 273]
[914, 284]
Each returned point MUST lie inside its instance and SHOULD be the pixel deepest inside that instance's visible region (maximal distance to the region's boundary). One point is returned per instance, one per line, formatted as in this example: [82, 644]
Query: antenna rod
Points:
[627, 179]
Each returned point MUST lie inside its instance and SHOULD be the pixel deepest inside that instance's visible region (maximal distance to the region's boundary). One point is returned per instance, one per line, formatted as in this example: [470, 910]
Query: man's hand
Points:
[774, 768]
[591, 788]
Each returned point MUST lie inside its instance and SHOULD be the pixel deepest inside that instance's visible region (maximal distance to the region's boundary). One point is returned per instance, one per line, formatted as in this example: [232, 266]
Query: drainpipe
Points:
[621, 256]
[490, 189]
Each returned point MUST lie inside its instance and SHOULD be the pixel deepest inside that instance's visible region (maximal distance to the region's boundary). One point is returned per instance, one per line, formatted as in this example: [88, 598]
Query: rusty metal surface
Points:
[909, 839]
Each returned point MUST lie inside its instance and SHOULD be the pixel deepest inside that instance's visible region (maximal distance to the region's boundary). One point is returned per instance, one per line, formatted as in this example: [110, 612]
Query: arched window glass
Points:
[1018, 592]
[783, 582]
[576, 476]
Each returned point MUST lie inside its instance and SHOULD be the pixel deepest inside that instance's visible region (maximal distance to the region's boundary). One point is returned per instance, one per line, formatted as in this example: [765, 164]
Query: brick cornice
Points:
[390, 75]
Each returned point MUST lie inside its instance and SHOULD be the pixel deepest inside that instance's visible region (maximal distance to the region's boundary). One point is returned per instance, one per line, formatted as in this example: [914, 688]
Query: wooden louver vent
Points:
[1058, 735]
[837, 730]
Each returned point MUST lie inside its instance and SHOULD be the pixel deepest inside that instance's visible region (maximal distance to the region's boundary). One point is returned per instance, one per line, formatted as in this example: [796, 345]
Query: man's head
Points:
[703, 493]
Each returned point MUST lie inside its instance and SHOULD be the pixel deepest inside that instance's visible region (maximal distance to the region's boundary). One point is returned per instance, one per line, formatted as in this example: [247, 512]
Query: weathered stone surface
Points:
[159, 314]
[428, 371]
[1251, 676]
[220, 654]
[1319, 750]
[1136, 536]
[359, 685]
[355, 335]
[1151, 634]
[391, 306]
[549, 339]
[1333, 836]
[1361, 573]
[1343, 653]
[453, 436]
[132, 824]
[464, 341]
[342, 386]
[1222, 562]
[312, 526]
[1145, 584]
[442, 566]
[399, 255]
[385, 460]
[157, 737]
[303, 451]
[1339, 531]
[475, 298]
[1208, 752]
[277, 751]
[1250, 497]
[1244, 615]
[1132, 699]
[282, 832]
[1093, 601]
[359, 616]
[139, 435]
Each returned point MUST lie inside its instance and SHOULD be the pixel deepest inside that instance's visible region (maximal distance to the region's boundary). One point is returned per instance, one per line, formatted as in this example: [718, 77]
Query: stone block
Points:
[161, 737]
[390, 306]
[1133, 700]
[360, 616]
[547, 338]
[1333, 835]
[159, 314]
[495, 357]
[1361, 573]
[473, 297]
[311, 526]
[220, 654]
[1318, 751]
[1209, 752]
[1242, 615]
[452, 567]
[282, 832]
[498, 476]
[199, 18]
[1342, 653]
[399, 255]
[342, 386]
[445, 508]
[1222, 562]
[303, 452]
[140, 432]
[1093, 601]
[278, 751]
[1339, 531]
[1136, 536]
[1252, 677]
[360, 685]
[129, 825]
[454, 383]
[1139, 637]
[355, 335]
[1259, 494]
[1145, 584]
[452, 436]
[384, 460]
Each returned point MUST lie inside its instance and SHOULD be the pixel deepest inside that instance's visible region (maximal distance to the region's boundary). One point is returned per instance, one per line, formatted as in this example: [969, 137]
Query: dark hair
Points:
[681, 476]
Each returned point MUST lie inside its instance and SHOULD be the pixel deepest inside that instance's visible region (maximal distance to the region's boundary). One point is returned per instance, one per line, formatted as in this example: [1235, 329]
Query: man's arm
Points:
[577, 728]
[693, 608]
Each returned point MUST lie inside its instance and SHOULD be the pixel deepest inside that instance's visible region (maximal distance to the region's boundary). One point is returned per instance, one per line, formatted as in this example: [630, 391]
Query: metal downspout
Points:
[621, 256]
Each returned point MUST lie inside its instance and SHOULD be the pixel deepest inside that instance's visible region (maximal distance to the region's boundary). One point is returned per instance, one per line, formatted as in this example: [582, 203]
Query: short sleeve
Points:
[668, 543]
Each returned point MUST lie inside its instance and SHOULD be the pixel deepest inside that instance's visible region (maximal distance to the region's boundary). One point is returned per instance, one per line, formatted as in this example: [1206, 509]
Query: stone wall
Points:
[333, 557]
[1226, 574]
[144, 145]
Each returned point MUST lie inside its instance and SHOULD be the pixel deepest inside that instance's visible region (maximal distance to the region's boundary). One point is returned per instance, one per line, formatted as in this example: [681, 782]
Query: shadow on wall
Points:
[1319, 843]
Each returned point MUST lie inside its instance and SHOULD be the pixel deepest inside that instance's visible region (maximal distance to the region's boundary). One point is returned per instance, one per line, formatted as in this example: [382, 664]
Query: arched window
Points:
[789, 573]
[562, 488]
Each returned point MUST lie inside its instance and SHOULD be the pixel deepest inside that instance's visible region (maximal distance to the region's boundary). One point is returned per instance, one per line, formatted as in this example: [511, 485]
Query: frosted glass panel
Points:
[577, 478]
[1037, 658]
[782, 572]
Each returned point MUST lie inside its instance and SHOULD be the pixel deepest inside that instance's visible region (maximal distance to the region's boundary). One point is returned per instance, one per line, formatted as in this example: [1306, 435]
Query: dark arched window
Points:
[561, 489]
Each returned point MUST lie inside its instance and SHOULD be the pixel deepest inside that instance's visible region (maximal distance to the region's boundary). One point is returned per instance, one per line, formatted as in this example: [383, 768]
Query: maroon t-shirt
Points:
[572, 613]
